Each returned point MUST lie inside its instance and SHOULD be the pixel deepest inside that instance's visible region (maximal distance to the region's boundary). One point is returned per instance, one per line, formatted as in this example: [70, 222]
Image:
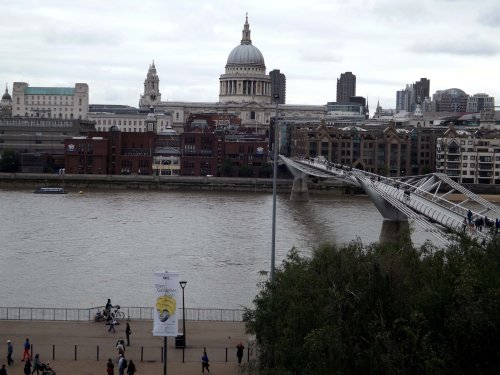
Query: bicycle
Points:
[116, 313]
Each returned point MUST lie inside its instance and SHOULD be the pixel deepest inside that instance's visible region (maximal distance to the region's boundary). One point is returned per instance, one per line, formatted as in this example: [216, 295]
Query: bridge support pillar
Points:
[395, 233]
[300, 192]
[388, 211]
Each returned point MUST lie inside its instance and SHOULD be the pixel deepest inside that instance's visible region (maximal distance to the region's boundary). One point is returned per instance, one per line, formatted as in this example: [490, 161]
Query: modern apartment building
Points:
[478, 102]
[469, 157]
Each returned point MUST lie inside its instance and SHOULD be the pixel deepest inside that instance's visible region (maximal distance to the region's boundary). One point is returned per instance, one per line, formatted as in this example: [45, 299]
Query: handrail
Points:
[135, 313]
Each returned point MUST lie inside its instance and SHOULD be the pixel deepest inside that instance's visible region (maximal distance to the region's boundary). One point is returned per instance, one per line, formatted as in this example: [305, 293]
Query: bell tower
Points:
[151, 95]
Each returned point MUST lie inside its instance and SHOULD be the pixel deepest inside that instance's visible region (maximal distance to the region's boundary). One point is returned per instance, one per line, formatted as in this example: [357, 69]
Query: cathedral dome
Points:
[6, 96]
[246, 53]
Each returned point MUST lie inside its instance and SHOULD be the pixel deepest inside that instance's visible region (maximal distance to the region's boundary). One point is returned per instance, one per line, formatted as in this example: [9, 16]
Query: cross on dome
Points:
[245, 38]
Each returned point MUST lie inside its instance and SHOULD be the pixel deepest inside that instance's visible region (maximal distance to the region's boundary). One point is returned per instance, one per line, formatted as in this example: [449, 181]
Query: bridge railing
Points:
[135, 313]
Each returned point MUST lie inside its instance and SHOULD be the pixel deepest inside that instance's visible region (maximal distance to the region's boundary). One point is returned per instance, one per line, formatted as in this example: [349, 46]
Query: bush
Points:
[381, 309]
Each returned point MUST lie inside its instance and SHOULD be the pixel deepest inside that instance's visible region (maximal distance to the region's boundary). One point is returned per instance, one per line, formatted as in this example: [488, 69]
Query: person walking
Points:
[128, 332]
[10, 350]
[204, 363]
[110, 367]
[120, 347]
[111, 322]
[108, 307]
[122, 365]
[36, 364]
[27, 347]
[3, 370]
[239, 352]
[469, 216]
[131, 368]
[27, 367]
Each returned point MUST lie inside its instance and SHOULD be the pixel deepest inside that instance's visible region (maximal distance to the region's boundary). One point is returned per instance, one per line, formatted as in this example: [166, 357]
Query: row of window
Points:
[118, 122]
[69, 104]
[43, 109]
[480, 158]
[135, 130]
[66, 102]
[124, 122]
[52, 115]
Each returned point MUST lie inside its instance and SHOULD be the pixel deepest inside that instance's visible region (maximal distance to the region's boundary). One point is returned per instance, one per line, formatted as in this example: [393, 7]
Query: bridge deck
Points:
[422, 202]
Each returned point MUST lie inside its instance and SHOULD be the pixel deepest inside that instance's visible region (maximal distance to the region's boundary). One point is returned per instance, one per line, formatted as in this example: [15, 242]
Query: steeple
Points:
[245, 38]
[152, 68]
[151, 95]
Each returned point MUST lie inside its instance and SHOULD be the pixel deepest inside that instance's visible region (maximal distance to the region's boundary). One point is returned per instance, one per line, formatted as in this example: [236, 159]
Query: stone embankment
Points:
[77, 182]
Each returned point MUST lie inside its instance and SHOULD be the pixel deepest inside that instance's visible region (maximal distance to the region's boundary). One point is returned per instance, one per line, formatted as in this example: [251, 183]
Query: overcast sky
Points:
[386, 43]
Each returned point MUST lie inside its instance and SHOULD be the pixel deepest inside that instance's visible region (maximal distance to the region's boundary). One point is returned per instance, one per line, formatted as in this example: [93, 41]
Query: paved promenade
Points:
[94, 345]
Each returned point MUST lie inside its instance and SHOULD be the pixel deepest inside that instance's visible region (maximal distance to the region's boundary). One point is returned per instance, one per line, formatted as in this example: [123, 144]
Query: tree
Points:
[375, 309]
[245, 171]
[9, 162]
[266, 170]
[227, 168]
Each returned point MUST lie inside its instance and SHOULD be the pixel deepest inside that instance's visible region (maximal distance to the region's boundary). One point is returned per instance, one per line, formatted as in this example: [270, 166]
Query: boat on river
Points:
[50, 190]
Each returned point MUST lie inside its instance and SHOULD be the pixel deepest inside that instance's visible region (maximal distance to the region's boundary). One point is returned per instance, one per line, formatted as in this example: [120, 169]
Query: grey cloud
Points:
[379, 81]
[492, 18]
[67, 36]
[320, 57]
[458, 47]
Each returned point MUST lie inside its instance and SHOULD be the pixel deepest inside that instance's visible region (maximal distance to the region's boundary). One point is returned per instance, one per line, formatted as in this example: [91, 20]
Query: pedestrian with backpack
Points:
[122, 365]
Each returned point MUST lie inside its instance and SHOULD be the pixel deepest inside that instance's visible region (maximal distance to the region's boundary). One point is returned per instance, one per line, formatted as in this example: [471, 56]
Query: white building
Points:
[50, 102]
[478, 102]
[126, 119]
[467, 157]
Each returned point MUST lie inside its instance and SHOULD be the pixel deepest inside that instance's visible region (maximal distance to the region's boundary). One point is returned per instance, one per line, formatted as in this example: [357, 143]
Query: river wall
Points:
[79, 182]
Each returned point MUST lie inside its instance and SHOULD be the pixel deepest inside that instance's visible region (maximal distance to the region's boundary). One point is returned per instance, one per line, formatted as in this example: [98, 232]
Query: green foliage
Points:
[246, 171]
[381, 309]
[9, 162]
[266, 171]
[227, 168]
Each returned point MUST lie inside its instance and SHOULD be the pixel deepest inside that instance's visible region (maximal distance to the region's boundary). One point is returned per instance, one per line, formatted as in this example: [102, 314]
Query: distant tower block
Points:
[346, 87]
[278, 86]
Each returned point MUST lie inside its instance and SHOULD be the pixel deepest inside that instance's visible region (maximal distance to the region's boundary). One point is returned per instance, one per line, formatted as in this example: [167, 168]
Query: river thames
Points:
[77, 250]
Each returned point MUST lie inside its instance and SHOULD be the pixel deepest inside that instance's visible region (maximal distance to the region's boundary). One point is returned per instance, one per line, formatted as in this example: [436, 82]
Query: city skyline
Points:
[386, 44]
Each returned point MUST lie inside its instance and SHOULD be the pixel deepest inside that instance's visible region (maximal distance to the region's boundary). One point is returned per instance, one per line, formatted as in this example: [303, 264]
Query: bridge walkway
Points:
[422, 202]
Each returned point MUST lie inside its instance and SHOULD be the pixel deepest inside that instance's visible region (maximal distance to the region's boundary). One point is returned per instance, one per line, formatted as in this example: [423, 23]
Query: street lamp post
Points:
[183, 285]
[275, 178]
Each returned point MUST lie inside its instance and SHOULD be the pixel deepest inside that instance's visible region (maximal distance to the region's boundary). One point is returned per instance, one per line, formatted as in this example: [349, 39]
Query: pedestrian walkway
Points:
[93, 345]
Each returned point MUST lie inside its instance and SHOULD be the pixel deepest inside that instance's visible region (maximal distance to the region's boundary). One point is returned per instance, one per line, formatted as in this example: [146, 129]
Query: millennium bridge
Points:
[421, 199]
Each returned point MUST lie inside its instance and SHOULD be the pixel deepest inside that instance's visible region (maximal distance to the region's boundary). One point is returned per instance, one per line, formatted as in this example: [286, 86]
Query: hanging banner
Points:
[165, 307]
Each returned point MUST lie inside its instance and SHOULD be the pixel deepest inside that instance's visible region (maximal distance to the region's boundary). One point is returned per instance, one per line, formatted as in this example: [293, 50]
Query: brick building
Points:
[388, 151]
[110, 152]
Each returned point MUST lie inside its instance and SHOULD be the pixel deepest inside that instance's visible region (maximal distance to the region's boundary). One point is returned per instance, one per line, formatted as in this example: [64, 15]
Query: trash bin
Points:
[179, 341]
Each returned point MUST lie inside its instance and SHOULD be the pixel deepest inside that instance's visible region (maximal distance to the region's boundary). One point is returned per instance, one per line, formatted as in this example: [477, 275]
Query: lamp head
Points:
[183, 284]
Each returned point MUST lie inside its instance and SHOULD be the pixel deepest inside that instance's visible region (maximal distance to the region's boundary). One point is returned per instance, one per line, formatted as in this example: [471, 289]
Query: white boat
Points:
[50, 190]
